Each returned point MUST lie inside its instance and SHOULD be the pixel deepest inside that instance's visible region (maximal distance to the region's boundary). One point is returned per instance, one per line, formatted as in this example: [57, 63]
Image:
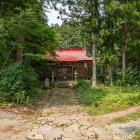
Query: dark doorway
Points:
[64, 73]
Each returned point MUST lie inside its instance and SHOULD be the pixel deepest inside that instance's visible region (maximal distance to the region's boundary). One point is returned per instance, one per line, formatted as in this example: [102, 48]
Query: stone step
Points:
[63, 85]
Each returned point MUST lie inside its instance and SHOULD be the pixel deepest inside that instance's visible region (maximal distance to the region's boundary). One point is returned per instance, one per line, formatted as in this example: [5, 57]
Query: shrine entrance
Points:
[65, 72]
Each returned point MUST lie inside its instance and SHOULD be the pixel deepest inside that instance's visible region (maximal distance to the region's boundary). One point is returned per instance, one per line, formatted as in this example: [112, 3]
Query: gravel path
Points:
[63, 118]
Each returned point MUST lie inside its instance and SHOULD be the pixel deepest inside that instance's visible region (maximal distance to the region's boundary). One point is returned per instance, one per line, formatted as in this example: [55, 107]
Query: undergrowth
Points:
[132, 116]
[17, 84]
[103, 99]
[137, 135]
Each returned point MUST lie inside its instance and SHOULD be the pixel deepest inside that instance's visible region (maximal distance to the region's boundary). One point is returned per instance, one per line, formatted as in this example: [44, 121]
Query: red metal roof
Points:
[70, 54]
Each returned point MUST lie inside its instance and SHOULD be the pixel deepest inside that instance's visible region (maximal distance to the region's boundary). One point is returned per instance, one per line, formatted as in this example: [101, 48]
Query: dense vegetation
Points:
[18, 82]
[104, 98]
[73, 35]
[108, 30]
[24, 39]
[111, 28]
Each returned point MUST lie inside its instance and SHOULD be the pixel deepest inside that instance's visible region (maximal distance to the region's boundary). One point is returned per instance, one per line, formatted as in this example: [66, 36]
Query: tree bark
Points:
[101, 65]
[110, 74]
[101, 69]
[21, 42]
[19, 55]
[123, 62]
[113, 66]
[94, 84]
[112, 52]
[126, 59]
[124, 53]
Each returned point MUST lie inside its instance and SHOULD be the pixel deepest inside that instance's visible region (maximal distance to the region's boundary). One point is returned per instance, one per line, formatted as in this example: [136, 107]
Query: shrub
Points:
[52, 85]
[101, 78]
[85, 92]
[82, 83]
[131, 76]
[17, 81]
[103, 99]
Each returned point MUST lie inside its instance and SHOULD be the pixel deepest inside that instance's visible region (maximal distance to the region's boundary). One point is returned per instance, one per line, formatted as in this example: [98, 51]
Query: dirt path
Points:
[62, 117]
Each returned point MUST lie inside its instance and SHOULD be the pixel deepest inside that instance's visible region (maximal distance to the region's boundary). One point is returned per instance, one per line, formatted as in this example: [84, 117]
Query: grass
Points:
[11, 118]
[49, 113]
[104, 99]
[34, 122]
[96, 135]
[132, 116]
[136, 136]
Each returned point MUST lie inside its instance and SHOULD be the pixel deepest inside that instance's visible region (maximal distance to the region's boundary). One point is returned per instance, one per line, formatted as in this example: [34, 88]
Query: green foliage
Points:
[24, 26]
[103, 99]
[132, 116]
[101, 78]
[18, 82]
[51, 85]
[85, 91]
[116, 26]
[137, 135]
[131, 76]
[73, 35]
[82, 83]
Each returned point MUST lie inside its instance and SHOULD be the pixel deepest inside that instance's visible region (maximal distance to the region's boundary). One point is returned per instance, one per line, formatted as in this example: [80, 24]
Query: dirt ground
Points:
[59, 116]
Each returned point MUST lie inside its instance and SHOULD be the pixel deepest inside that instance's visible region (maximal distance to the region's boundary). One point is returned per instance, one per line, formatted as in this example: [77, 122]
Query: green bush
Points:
[131, 76]
[101, 78]
[85, 92]
[137, 135]
[52, 85]
[17, 83]
[82, 83]
[103, 99]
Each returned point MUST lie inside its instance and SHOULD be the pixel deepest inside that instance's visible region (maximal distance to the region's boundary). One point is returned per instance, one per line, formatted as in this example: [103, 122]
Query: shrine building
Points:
[69, 61]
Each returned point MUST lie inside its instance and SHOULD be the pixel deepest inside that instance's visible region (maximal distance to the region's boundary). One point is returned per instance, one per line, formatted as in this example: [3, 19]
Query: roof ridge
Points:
[73, 49]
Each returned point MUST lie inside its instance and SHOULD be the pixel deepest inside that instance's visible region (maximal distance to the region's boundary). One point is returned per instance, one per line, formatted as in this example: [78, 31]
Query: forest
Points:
[107, 29]
[24, 37]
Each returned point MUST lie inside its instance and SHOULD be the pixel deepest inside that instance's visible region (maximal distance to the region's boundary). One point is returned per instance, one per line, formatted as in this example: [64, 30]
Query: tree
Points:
[23, 27]
[73, 35]
[87, 13]
[114, 30]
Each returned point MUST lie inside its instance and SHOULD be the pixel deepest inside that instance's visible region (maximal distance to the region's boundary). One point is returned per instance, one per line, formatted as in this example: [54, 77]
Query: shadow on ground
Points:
[57, 97]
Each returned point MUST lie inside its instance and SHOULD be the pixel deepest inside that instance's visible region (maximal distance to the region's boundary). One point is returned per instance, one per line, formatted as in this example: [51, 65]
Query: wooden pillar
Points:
[72, 72]
[56, 72]
[85, 66]
[44, 73]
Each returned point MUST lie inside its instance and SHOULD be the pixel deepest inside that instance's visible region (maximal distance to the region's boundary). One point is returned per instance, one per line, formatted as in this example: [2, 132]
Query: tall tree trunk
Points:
[126, 59]
[19, 55]
[112, 52]
[124, 53]
[101, 65]
[110, 74]
[20, 52]
[113, 66]
[123, 62]
[94, 84]
[101, 69]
